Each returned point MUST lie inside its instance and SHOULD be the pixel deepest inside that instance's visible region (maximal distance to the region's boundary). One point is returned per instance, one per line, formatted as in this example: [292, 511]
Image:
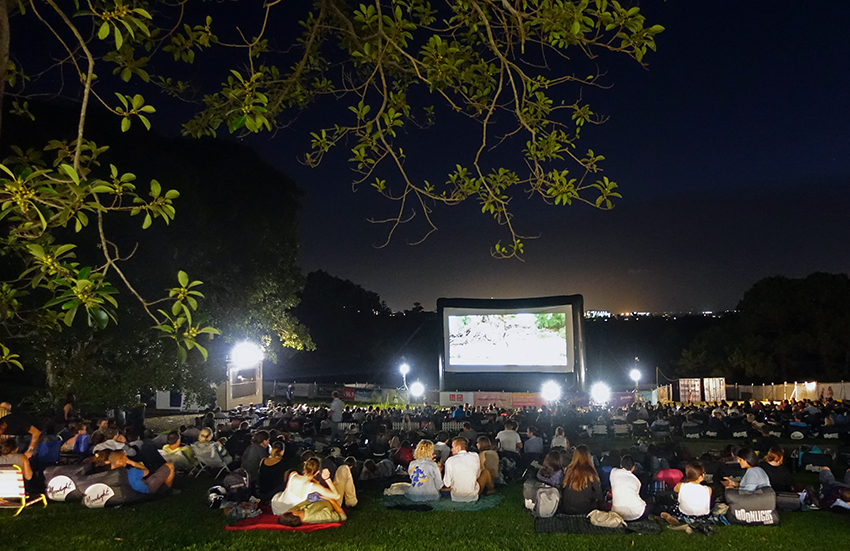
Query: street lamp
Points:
[404, 369]
[417, 389]
[635, 376]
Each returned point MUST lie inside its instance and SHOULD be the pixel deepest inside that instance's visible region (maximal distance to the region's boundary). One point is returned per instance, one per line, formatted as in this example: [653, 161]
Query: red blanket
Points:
[268, 521]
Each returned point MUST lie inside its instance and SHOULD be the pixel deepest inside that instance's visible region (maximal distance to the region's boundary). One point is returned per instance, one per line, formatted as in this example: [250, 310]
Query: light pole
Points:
[404, 369]
[635, 376]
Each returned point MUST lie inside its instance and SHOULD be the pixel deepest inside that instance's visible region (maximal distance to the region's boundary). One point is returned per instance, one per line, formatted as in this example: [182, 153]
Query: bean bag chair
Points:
[63, 481]
[752, 508]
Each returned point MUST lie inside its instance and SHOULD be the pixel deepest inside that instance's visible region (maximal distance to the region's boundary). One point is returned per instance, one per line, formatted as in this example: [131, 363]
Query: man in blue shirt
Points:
[140, 478]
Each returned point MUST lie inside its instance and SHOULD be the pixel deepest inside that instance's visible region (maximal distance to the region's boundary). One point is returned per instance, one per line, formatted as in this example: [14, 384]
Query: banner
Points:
[523, 399]
[621, 399]
[500, 399]
[456, 398]
[348, 393]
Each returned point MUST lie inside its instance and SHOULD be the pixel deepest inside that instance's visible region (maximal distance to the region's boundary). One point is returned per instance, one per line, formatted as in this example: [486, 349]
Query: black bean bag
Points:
[63, 481]
[752, 508]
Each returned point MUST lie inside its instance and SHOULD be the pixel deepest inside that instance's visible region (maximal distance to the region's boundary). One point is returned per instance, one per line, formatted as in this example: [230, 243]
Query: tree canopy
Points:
[392, 67]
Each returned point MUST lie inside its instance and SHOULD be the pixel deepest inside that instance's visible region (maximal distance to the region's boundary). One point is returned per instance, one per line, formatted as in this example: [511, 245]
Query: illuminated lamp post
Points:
[404, 369]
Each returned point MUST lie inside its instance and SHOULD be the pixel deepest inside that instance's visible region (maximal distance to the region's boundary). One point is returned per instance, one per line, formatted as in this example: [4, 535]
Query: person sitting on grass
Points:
[625, 491]
[463, 474]
[560, 439]
[299, 486]
[552, 471]
[694, 502]
[115, 441]
[489, 457]
[425, 478]
[140, 478]
[256, 452]
[754, 477]
[777, 472]
[510, 442]
[582, 489]
[272, 473]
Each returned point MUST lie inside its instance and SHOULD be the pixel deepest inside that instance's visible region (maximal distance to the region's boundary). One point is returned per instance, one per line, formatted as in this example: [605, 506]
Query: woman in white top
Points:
[300, 486]
[559, 440]
[694, 497]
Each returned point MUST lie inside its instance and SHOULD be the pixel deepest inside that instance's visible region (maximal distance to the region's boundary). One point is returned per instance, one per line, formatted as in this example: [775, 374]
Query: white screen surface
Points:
[509, 340]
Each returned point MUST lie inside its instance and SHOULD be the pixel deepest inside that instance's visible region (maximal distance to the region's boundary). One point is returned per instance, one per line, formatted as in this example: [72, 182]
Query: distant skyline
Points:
[731, 154]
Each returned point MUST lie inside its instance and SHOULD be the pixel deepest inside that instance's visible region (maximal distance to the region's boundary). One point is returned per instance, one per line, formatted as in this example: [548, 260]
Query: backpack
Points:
[540, 499]
[238, 485]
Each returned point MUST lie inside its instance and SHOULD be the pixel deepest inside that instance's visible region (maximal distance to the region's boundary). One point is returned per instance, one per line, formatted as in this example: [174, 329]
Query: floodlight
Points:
[634, 374]
[246, 354]
[551, 391]
[600, 393]
[404, 369]
[417, 389]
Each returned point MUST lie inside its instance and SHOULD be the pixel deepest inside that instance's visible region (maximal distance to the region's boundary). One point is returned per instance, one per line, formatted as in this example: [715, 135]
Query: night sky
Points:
[730, 150]
[731, 154]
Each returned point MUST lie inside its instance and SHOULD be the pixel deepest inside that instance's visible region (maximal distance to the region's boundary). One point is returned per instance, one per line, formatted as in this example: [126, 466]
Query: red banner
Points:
[523, 399]
[348, 393]
[501, 399]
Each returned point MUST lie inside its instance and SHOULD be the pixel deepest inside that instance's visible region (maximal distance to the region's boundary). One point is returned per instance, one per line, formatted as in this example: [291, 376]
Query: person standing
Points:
[336, 416]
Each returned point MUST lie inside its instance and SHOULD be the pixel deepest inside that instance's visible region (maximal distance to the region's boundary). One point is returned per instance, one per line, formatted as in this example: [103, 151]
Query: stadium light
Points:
[246, 354]
[417, 389]
[600, 393]
[404, 369]
[634, 374]
[551, 391]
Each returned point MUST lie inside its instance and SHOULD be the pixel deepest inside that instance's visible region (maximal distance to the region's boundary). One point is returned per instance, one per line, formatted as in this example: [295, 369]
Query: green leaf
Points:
[145, 121]
[125, 124]
[172, 194]
[103, 32]
[181, 354]
[156, 189]
[99, 316]
[69, 170]
[69, 316]
[203, 351]
[176, 308]
[119, 40]
[183, 278]
[147, 223]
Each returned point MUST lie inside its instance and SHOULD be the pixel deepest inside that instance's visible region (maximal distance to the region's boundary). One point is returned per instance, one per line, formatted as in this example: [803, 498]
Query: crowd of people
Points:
[296, 456]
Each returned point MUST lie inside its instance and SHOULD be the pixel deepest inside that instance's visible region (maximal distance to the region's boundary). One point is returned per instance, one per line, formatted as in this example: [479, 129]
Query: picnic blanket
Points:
[268, 521]
[401, 503]
[578, 524]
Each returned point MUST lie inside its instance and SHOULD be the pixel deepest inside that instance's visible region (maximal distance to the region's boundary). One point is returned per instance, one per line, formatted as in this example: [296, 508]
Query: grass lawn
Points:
[184, 522]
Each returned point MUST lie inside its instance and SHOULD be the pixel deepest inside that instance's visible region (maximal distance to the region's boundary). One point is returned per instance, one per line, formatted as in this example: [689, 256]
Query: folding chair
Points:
[181, 462]
[622, 430]
[13, 495]
[209, 458]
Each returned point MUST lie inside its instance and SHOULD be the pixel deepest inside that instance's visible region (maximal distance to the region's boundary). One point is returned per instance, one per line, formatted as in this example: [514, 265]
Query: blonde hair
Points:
[424, 450]
[205, 435]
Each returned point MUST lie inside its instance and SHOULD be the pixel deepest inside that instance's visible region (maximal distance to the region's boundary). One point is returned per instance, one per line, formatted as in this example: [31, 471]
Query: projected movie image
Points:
[512, 339]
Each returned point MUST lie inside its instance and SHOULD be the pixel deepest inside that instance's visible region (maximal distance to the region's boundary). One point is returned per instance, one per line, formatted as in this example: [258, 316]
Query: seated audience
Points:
[488, 457]
[754, 476]
[777, 472]
[510, 442]
[694, 498]
[425, 478]
[9, 456]
[833, 494]
[209, 450]
[271, 479]
[560, 440]
[625, 491]
[177, 453]
[299, 486]
[552, 471]
[256, 452]
[582, 489]
[462, 472]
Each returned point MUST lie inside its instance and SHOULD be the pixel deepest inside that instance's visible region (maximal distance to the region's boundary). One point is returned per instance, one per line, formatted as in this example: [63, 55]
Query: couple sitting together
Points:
[313, 497]
[465, 474]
